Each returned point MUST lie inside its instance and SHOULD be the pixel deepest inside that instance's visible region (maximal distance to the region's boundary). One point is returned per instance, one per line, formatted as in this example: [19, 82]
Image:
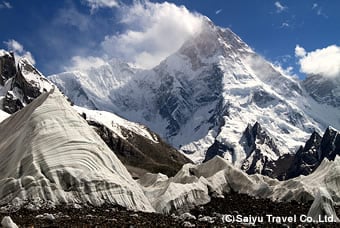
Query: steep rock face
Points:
[21, 84]
[306, 159]
[260, 149]
[139, 149]
[51, 156]
[330, 144]
[7, 66]
[309, 157]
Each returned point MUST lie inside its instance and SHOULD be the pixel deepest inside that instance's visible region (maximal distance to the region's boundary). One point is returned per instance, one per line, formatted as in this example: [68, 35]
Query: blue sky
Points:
[65, 34]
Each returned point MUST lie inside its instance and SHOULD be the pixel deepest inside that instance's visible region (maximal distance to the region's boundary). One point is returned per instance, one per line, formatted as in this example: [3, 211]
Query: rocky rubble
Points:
[209, 215]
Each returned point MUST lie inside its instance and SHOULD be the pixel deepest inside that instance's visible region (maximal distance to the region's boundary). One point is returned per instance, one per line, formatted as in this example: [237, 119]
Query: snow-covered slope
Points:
[324, 89]
[194, 184]
[116, 123]
[206, 94]
[91, 88]
[49, 154]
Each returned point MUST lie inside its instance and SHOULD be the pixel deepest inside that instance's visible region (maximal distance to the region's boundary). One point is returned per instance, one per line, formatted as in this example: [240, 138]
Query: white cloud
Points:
[284, 25]
[324, 62]
[299, 51]
[96, 4]
[218, 11]
[153, 32]
[84, 63]
[315, 5]
[280, 7]
[5, 5]
[19, 50]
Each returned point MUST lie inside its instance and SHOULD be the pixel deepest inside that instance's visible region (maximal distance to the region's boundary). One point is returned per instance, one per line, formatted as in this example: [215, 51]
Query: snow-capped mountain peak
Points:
[206, 94]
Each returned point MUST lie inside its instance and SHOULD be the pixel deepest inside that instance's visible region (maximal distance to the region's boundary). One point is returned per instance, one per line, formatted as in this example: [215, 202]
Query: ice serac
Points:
[195, 184]
[202, 98]
[323, 207]
[50, 155]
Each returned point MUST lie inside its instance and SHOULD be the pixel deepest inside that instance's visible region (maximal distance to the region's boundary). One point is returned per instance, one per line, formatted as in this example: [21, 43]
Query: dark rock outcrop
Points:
[7, 67]
[22, 84]
[254, 140]
[139, 154]
[308, 157]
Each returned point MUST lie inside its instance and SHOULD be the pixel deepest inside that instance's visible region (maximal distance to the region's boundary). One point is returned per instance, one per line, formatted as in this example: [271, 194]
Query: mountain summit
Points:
[208, 96]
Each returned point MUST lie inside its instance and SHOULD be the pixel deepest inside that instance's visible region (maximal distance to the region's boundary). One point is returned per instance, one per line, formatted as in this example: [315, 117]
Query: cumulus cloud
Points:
[299, 51]
[280, 7]
[19, 50]
[5, 5]
[96, 4]
[324, 62]
[153, 32]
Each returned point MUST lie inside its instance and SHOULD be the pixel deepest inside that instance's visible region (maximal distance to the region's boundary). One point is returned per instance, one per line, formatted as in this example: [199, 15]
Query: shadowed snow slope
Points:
[50, 154]
[194, 184]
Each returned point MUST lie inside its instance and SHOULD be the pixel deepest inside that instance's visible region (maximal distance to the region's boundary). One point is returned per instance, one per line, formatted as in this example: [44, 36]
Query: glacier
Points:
[51, 155]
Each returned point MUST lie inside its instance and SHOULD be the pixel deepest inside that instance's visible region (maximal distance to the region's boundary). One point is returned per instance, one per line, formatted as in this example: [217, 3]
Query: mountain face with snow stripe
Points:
[206, 94]
[51, 155]
[138, 148]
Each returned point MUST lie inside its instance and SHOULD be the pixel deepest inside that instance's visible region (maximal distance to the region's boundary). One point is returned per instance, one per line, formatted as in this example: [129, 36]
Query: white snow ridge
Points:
[49, 154]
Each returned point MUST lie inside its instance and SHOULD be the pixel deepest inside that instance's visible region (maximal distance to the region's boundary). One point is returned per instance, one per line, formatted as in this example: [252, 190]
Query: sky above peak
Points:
[301, 36]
